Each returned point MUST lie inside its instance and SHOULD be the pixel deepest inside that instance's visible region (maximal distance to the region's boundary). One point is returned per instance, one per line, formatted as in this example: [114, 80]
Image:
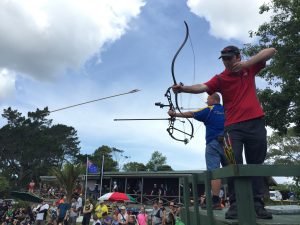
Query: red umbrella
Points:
[116, 196]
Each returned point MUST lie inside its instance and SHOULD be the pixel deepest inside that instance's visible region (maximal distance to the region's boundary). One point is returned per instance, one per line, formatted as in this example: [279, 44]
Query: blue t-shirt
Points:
[213, 119]
[63, 208]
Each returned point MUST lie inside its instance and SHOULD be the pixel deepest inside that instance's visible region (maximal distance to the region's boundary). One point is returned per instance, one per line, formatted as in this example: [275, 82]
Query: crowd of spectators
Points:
[17, 216]
[61, 212]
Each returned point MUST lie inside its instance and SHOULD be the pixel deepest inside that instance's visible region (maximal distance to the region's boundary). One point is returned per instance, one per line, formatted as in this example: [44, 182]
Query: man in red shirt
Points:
[244, 116]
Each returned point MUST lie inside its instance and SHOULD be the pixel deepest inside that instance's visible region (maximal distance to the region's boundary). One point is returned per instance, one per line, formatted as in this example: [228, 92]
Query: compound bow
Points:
[168, 95]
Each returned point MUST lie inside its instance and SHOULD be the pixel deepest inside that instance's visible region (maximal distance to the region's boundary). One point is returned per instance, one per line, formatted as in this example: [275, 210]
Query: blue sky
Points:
[58, 53]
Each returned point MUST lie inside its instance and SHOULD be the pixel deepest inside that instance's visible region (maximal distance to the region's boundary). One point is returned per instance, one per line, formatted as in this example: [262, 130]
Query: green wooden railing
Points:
[243, 187]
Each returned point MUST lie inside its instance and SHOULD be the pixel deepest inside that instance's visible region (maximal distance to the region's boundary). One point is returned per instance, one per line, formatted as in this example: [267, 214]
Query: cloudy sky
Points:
[62, 52]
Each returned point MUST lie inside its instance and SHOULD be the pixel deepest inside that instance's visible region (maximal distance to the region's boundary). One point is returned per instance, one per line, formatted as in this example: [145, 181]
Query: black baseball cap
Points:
[229, 51]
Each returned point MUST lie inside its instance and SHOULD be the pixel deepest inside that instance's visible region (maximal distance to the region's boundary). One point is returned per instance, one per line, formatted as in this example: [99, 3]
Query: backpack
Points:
[53, 214]
[158, 213]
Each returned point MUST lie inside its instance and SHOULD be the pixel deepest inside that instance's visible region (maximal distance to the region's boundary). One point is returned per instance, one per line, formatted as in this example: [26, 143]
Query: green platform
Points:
[244, 196]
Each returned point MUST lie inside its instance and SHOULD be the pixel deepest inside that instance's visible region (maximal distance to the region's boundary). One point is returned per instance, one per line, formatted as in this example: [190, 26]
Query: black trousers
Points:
[86, 219]
[250, 135]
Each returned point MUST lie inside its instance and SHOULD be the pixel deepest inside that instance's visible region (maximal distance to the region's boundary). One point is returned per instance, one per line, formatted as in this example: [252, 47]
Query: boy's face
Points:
[229, 61]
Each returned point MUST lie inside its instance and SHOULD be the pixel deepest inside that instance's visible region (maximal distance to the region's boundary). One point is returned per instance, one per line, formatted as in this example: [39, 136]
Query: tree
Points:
[30, 147]
[157, 162]
[67, 177]
[284, 150]
[134, 166]
[4, 186]
[165, 168]
[281, 105]
[119, 157]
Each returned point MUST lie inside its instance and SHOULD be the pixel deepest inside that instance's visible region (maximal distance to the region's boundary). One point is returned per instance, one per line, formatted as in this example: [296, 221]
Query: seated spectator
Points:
[115, 220]
[96, 220]
[107, 220]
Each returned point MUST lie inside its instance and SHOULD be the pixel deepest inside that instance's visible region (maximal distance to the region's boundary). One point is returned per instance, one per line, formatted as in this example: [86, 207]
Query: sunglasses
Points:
[227, 58]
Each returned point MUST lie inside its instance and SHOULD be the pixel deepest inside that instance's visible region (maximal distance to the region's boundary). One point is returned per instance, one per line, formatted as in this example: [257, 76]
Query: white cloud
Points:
[7, 83]
[230, 19]
[43, 38]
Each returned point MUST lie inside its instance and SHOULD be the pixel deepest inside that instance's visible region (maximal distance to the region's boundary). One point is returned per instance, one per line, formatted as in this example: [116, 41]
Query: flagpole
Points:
[86, 173]
[102, 170]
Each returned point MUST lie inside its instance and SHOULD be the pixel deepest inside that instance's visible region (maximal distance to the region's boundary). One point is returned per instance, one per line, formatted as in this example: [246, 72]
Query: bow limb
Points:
[171, 129]
[175, 82]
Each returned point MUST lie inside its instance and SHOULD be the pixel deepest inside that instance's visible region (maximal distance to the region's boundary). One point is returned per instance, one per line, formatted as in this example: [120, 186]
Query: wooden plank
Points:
[219, 216]
[256, 170]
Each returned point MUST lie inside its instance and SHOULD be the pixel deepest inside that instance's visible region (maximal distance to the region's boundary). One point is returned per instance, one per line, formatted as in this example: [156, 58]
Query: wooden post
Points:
[196, 199]
[244, 200]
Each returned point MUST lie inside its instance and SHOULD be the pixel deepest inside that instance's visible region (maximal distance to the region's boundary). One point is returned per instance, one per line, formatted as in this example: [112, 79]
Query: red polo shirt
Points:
[238, 91]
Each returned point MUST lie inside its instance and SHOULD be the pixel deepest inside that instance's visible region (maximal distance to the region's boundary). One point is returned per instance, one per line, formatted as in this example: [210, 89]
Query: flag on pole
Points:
[92, 168]
[101, 176]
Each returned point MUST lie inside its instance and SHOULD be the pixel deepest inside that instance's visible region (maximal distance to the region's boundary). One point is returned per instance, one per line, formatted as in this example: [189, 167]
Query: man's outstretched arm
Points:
[263, 56]
[194, 89]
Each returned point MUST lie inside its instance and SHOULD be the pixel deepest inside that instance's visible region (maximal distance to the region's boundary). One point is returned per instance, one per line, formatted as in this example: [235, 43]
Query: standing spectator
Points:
[73, 214]
[162, 190]
[60, 200]
[128, 189]
[163, 210]
[63, 207]
[155, 190]
[87, 212]
[156, 214]
[53, 214]
[115, 187]
[31, 186]
[123, 216]
[78, 189]
[172, 214]
[115, 209]
[100, 209]
[51, 192]
[140, 187]
[42, 213]
[222, 197]
[79, 204]
[142, 217]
